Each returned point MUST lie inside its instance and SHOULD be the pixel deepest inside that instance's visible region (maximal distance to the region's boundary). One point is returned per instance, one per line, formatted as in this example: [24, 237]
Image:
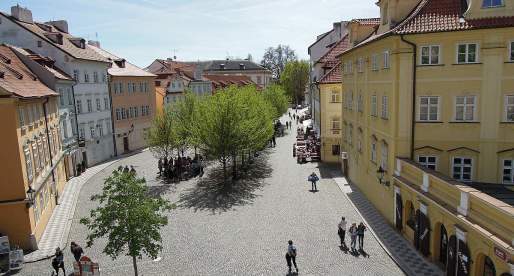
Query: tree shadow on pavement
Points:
[329, 170]
[211, 194]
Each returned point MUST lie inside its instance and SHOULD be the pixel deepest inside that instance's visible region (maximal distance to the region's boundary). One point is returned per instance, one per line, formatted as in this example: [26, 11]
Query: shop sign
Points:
[500, 254]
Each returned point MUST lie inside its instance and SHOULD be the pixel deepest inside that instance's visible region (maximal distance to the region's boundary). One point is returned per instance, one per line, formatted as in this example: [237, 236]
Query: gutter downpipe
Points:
[414, 77]
[76, 128]
[50, 150]
[109, 83]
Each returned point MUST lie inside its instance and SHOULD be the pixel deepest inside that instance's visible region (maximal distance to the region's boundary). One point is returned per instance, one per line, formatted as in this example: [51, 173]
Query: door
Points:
[399, 212]
[422, 233]
[463, 259]
[125, 144]
[84, 160]
[452, 256]
[443, 246]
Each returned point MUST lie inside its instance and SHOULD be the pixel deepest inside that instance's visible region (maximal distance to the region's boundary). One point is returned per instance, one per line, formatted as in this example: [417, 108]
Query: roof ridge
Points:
[411, 16]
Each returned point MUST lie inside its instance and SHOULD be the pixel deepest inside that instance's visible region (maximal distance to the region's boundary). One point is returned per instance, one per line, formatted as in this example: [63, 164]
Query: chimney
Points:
[95, 43]
[22, 14]
[61, 25]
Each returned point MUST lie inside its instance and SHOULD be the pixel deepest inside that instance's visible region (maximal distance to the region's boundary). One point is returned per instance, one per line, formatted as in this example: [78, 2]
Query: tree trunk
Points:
[134, 263]
[234, 166]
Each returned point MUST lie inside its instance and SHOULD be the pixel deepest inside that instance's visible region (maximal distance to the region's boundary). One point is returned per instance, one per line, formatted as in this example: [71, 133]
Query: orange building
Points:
[133, 98]
[32, 173]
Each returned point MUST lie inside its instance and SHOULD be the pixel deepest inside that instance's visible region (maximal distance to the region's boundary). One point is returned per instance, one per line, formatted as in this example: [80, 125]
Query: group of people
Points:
[356, 233]
[58, 260]
[310, 146]
[180, 168]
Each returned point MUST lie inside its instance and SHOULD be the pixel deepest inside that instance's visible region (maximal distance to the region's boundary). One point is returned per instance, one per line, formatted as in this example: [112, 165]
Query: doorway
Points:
[399, 212]
[125, 144]
[422, 233]
[443, 246]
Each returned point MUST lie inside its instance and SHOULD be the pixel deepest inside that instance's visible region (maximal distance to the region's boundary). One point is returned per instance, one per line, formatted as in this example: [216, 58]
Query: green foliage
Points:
[162, 137]
[294, 79]
[128, 217]
[276, 97]
[183, 116]
[276, 58]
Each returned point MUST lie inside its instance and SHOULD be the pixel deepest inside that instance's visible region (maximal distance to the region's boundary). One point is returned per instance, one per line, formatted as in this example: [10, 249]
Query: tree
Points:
[294, 79]
[275, 59]
[183, 116]
[128, 217]
[276, 97]
[162, 136]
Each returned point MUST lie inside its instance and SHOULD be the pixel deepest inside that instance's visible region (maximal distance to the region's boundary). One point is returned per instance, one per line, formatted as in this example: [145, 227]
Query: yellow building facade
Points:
[32, 174]
[434, 86]
[330, 90]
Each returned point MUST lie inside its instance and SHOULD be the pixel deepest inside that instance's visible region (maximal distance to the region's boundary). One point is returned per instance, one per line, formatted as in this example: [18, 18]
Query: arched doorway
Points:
[463, 259]
[489, 269]
[422, 233]
[399, 212]
[443, 246]
[452, 256]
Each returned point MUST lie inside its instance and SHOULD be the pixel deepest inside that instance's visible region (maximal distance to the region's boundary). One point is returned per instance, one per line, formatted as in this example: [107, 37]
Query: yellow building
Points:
[432, 84]
[32, 173]
[133, 100]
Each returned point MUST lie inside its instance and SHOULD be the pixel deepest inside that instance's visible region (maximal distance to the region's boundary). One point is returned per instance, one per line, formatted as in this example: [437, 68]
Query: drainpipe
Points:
[112, 116]
[50, 149]
[76, 127]
[414, 75]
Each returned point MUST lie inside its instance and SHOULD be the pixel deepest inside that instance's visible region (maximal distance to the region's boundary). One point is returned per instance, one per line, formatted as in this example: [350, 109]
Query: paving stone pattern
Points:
[245, 233]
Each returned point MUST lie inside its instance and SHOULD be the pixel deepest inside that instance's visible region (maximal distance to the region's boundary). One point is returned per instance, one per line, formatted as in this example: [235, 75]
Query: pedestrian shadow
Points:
[210, 193]
[363, 253]
[344, 248]
[160, 190]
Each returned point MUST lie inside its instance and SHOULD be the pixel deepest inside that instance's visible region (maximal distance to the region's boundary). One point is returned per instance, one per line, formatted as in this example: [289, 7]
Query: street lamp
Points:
[381, 176]
[30, 195]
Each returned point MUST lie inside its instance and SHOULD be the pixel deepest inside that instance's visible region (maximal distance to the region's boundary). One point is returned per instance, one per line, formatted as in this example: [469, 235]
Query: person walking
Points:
[353, 235]
[341, 230]
[76, 250]
[313, 178]
[159, 165]
[360, 233]
[291, 256]
[58, 261]
[274, 141]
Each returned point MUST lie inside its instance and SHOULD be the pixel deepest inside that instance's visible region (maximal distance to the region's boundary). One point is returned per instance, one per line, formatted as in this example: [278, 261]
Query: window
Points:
[509, 108]
[374, 62]
[120, 87]
[360, 103]
[104, 77]
[21, 116]
[146, 86]
[467, 53]
[70, 96]
[430, 55]
[133, 87]
[131, 112]
[385, 156]
[508, 171]
[98, 105]
[349, 134]
[359, 140]
[86, 76]
[465, 108]
[429, 108]
[129, 87]
[123, 113]
[360, 65]
[336, 150]
[106, 103]
[115, 88]
[89, 106]
[76, 75]
[61, 96]
[492, 3]
[429, 162]
[40, 152]
[336, 124]
[108, 125]
[374, 111]
[462, 168]
[350, 66]
[511, 51]
[28, 162]
[386, 59]
[118, 114]
[39, 43]
[79, 106]
[141, 89]
[385, 112]
[350, 100]
[95, 77]
[101, 128]
[92, 129]
[336, 98]
[373, 150]
[136, 112]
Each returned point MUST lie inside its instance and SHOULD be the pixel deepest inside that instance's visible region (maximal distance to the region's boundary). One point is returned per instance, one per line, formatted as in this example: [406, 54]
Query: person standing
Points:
[291, 256]
[341, 230]
[58, 261]
[76, 250]
[159, 165]
[360, 233]
[274, 141]
[353, 235]
[313, 178]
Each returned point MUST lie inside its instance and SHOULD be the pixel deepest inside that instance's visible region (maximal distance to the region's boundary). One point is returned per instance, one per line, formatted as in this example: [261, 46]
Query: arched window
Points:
[489, 269]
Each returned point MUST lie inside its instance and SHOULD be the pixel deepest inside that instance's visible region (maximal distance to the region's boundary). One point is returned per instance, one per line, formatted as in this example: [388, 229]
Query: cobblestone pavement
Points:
[246, 233]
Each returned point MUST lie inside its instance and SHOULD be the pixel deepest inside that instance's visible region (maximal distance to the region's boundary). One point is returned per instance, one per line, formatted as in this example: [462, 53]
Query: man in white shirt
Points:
[341, 230]
[291, 255]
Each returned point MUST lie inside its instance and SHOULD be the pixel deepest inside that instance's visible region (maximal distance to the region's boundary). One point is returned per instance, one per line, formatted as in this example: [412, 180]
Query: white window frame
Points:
[336, 123]
[89, 104]
[462, 168]
[511, 51]
[374, 62]
[384, 155]
[360, 65]
[28, 162]
[477, 53]
[506, 108]
[98, 104]
[511, 168]
[465, 107]
[335, 96]
[428, 108]
[426, 164]
[350, 101]
[360, 102]
[490, 7]
[430, 54]
[373, 150]
[385, 107]
[374, 106]
[386, 55]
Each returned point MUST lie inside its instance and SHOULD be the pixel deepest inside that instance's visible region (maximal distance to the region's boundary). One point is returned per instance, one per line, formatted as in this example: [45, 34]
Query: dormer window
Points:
[79, 42]
[222, 66]
[120, 63]
[492, 3]
[241, 66]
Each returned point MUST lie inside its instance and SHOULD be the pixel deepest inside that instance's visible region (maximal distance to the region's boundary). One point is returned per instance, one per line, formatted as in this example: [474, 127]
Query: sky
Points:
[143, 30]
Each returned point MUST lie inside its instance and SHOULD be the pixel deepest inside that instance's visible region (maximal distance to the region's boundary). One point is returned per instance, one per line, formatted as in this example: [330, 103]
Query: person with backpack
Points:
[76, 250]
[58, 261]
[353, 235]
[313, 178]
[341, 230]
[291, 256]
[360, 233]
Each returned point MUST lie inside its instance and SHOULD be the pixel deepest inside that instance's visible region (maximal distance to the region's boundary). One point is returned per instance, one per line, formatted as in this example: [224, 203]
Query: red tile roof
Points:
[330, 58]
[333, 76]
[16, 78]
[222, 81]
[367, 21]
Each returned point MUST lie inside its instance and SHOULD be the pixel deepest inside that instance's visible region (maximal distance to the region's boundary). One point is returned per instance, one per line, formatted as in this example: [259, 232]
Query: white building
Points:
[73, 56]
